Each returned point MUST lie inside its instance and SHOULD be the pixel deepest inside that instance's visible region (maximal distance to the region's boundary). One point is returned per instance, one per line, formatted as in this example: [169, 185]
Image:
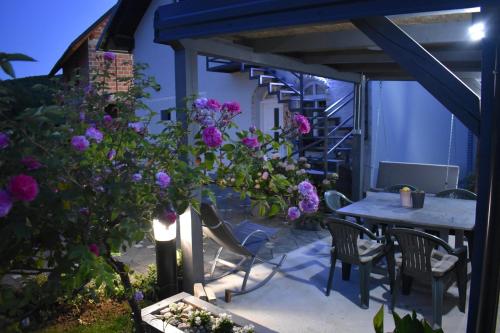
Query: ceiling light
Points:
[476, 31]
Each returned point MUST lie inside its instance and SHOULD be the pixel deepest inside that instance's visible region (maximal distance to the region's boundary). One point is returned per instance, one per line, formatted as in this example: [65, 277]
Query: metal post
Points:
[186, 85]
[301, 106]
[358, 140]
[485, 283]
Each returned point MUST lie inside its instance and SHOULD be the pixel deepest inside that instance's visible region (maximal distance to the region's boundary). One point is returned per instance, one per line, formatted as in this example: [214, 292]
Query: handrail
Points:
[340, 125]
[341, 141]
[339, 101]
[342, 102]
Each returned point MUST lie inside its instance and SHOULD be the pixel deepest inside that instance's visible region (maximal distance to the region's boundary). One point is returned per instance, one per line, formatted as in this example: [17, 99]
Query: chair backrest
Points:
[335, 200]
[345, 236]
[457, 193]
[397, 187]
[215, 228]
[416, 249]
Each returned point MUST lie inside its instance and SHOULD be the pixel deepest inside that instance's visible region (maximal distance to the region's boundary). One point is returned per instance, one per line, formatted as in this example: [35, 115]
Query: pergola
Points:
[355, 41]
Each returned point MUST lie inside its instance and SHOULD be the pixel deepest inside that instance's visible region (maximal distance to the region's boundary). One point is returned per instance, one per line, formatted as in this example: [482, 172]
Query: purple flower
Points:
[23, 187]
[306, 188]
[212, 137]
[84, 211]
[138, 296]
[111, 154]
[80, 143]
[4, 140]
[88, 89]
[31, 163]
[5, 203]
[137, 127]
[107, 119]
[201, 103]
[94, 248]
[109, 56]
[251, 142]
[232, 107]
[213, 105]
[94, 133]
[82, 115]
[162, 179]
[308, 205]
[252, 129]
[293, 213]
[136, 177]
[302, 123]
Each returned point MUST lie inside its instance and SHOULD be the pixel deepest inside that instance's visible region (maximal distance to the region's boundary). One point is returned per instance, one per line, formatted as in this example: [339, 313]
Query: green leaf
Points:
[8, 69]
[16, 57]
[378, 320]
[275, 209]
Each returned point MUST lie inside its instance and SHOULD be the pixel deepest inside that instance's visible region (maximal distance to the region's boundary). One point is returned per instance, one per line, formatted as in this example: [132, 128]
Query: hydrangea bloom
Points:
[80, 143]
[212, 137]
[201, 103]
[306, 188]
[138, 296]
[137, 127]
[309, 204]
[5, 203]
[31, 163]
[162, 179]
[232, 107]
[109, 56]
[293, 213]
[251, 142]
[302, 123]
[136, 177]
[94, 133]
[213, 105]
[4, 140]
[94, 248]
[107, 119]
[23, 187]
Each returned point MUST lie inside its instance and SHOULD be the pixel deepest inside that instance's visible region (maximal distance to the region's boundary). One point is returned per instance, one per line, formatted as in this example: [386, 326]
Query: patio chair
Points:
[245, 240]
[351, 249]
[460, 193]
[397, 187]
[335, 200]
[457, 193]
[420, 258]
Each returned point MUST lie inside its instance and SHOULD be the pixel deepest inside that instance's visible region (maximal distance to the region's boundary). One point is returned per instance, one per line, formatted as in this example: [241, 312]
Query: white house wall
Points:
[407, 124]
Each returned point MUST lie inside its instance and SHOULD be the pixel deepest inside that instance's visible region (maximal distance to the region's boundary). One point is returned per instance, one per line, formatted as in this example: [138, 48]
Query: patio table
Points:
[439, 214]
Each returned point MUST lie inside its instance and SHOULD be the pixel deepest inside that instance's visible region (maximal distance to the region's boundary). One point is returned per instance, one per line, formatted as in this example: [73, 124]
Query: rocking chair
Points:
[245, 240]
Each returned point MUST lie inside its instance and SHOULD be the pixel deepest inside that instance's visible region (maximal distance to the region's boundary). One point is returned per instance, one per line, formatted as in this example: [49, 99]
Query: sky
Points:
[43, 29]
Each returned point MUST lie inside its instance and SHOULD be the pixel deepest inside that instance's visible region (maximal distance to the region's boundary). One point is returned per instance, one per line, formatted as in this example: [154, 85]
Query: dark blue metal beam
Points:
[485, 283]
[197, 18]
[425, 68]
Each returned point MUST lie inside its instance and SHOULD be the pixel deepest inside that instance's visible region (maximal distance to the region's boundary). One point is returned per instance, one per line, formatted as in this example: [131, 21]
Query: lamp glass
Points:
[477, 31]
[164, 231]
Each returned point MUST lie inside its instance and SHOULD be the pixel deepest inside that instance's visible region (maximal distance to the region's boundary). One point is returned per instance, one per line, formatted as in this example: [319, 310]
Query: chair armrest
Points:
[253, 233]
[460, 252]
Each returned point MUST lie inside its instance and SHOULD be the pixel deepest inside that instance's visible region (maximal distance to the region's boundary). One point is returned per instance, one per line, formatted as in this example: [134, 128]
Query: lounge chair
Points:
[245, 240]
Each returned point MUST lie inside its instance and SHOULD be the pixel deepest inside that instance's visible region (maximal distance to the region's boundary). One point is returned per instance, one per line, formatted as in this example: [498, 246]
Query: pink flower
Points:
[169, 216]
[94, 133]
[232, 107]
[302, 123]
[212, 104]
[162, 179]
[212, 137]
[5, 203]
[4, 140]
[109, 56]
[94, 248]
[23, 187]
[31, 163]
[251, 142]
[293, 213]
[80, 143]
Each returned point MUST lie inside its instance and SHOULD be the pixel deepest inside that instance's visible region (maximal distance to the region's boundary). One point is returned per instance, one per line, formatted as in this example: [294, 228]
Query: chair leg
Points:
[333, 260]
[437, 301]
[247, 274]
[461, 272]
[212, 270]
[407, 283]
[365, 271]
[346, 271]
[395, 289]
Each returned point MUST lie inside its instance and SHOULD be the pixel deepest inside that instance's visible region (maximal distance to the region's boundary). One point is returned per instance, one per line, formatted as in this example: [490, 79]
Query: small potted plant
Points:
[418, 198]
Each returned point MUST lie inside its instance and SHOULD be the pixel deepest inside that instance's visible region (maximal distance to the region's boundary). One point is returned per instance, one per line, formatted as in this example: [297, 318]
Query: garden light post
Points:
[166, 257]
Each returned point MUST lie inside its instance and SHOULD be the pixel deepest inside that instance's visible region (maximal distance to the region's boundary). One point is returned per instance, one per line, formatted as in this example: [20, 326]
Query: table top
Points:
[437, 213]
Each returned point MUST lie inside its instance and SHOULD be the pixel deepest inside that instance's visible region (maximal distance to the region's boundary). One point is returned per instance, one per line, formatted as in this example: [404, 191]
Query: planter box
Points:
[156, 325]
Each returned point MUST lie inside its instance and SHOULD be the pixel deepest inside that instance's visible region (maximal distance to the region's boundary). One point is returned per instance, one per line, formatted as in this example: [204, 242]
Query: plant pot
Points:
[306, 223]
[418, 199]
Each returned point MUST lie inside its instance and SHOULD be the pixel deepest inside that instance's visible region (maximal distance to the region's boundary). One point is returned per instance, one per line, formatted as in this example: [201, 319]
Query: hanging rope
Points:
[449, 151]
